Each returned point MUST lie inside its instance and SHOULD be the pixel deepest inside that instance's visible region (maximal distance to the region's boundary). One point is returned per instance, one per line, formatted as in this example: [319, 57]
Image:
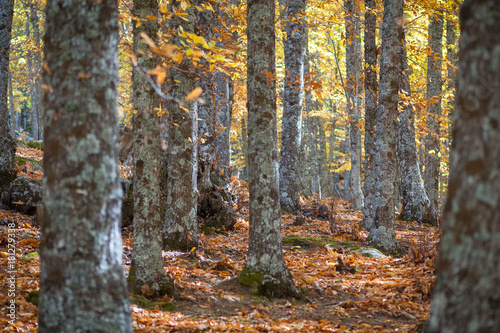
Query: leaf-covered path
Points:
[345, 291]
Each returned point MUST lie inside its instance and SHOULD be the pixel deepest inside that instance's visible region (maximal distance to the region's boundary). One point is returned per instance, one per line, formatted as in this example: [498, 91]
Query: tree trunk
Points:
[146, 268]
[180, 230]
[82, 286]
[291, 134]
[416, 204]
[12, 108]
[466, 296]
[434, 91]
[36, 94]
[7, 143]
[353, 87]
[265, 268]
[382, 234]
[371, 91]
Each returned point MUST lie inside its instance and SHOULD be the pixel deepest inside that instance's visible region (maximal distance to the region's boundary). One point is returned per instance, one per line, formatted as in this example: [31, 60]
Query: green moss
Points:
[33, 297]
[351, 246]
[145, 303]
[35, 144]
[29, 257]
[307, 242]
[250, 279]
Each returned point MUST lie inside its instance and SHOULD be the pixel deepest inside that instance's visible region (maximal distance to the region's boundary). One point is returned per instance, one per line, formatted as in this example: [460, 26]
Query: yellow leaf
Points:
[177, 57]
[184, 5]
[133, 58]
[151, 17]
[194, 94]
[46, 67]
[148, 40]
[47, 88]
[84, 76]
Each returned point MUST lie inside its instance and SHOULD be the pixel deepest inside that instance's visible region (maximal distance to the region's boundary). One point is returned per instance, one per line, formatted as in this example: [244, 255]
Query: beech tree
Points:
[371, 90]
[7, 143]
[82, 285]
[353, 87]
[180, 229]
[382, 234]
[291, 135]
[466, 295]
[265, 267]
[146, 270]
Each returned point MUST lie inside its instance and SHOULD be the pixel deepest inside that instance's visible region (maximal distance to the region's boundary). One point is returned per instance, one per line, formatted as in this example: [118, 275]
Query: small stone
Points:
[299, 220]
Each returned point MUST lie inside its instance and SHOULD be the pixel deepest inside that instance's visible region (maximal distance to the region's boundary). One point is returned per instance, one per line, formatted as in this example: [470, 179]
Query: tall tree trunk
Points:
[33, 118]
[180, 229]
[353, 87]
[82, 286]
[12, 108]
[146, 268]
[291, 134]
[265, 268]
[371, 91]
[466, 296]
[382, 234]
[415, 203]
[7, 143]
[36, 94]
[434, 91]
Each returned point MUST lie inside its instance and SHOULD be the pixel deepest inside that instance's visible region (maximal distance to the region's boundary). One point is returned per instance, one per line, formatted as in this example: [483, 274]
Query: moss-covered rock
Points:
[36, 144]
[33, 297]
[145, 303]
[24, 194]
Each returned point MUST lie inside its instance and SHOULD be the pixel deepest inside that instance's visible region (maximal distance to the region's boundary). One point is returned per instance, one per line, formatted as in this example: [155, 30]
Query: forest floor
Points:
[344, 290]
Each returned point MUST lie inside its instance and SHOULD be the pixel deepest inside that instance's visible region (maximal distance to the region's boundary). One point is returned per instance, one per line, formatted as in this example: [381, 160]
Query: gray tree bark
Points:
[466, 296]
[416, 206]
[434, 91]
[36, 94]
[82, 285]
[146, 275]
[12, 108]
[265, 268]
[180, 229]
[371, 91]
[291, 134]
[7, 143]
[382, 234]
[353, 90]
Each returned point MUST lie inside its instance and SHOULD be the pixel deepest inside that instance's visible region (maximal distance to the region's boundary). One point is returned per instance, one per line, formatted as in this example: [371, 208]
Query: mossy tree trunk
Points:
[265, 267]
[7, 143]
[466, 296]
[415, 203]
[353, 90]
[434, 91]
[146, 276]
[82, 285]
[291, 134]
[180, 229]
[371, 91]
[382, 234]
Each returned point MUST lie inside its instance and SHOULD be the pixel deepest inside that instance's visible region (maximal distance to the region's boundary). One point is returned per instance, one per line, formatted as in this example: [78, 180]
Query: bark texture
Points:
[416, 206]
[371, 91]
[265, 268]
[434, 91]
[82, 286]
[466, 297]
[180, 229]
[291, 135]
[7, 143]
[382, 234]
[353, 90]
[146, 271]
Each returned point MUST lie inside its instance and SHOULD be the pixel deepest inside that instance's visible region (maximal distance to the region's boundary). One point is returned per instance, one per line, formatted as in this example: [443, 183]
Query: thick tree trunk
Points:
[147, 262]
[7, 143]
[82, 286]
[291, 134]
[434, 90]
[466, 297]
[371, 91]
[382, 234]
[265, 268]
[353, 89]
[415, 203]
[180, 229]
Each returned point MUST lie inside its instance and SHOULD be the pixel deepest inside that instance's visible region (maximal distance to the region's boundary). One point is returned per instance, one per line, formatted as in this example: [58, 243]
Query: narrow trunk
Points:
[7, 143]
[265, 268]
[371, 91]
[180, 229]
[146, 276]
[82, 285]
[291, 134]
[382, 234]
[466, 296]
[12, 108]
[353, 71]
[37, 75]
[415, 203]
[434, 91]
